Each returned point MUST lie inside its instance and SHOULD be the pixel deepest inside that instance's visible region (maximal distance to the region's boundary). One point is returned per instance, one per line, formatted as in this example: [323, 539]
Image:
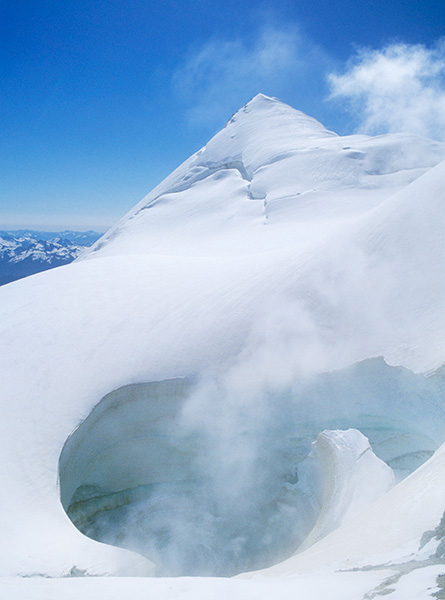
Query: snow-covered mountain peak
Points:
[260, 128]
[263, 98]
[263, 104]
[270, 172]
[264, 108]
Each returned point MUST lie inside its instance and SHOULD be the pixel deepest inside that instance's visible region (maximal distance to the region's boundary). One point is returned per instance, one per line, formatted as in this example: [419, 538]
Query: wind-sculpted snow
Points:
[351, 478]
[271, 165]
[163, 394]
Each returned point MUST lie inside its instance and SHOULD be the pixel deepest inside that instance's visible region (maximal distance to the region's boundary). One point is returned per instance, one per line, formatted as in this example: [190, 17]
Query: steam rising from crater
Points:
[215, 477]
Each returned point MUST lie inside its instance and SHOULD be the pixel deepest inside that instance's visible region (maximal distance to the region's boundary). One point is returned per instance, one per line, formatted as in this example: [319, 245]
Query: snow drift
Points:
[163, 393]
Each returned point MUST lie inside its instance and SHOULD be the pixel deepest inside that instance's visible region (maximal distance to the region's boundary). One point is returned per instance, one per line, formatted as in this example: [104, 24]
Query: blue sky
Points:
[101, 100]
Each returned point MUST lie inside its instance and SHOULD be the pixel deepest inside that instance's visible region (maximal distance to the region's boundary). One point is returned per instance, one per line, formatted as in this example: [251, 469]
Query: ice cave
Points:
[139, 473]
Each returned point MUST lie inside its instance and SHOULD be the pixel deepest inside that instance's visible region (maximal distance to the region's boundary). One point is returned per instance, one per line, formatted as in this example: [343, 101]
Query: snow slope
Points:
[269, 165]
[259, 273]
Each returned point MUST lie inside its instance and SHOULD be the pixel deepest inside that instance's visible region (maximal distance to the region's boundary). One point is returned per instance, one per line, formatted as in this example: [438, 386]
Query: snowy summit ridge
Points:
[232, 379]
[270, 165]
[264, 108]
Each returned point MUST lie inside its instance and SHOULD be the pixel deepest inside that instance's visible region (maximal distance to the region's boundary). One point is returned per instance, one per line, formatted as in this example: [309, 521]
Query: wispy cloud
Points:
[220, 76]
[398, 88]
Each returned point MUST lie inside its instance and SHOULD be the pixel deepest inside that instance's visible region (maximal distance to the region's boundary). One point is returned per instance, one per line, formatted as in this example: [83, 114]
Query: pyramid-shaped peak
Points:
[262, 109]
[263, 98]
[261, 102]
[264, 119]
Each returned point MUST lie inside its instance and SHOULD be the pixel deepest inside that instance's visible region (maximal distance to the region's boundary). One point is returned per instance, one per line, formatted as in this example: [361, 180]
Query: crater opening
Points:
[235, 487]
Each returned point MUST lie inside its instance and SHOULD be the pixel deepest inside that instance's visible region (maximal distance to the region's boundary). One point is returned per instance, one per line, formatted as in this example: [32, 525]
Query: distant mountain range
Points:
[25, 252]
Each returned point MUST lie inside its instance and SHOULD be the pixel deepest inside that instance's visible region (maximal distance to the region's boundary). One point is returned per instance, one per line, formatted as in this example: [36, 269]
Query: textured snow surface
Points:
[266, 274]
[270, 165]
